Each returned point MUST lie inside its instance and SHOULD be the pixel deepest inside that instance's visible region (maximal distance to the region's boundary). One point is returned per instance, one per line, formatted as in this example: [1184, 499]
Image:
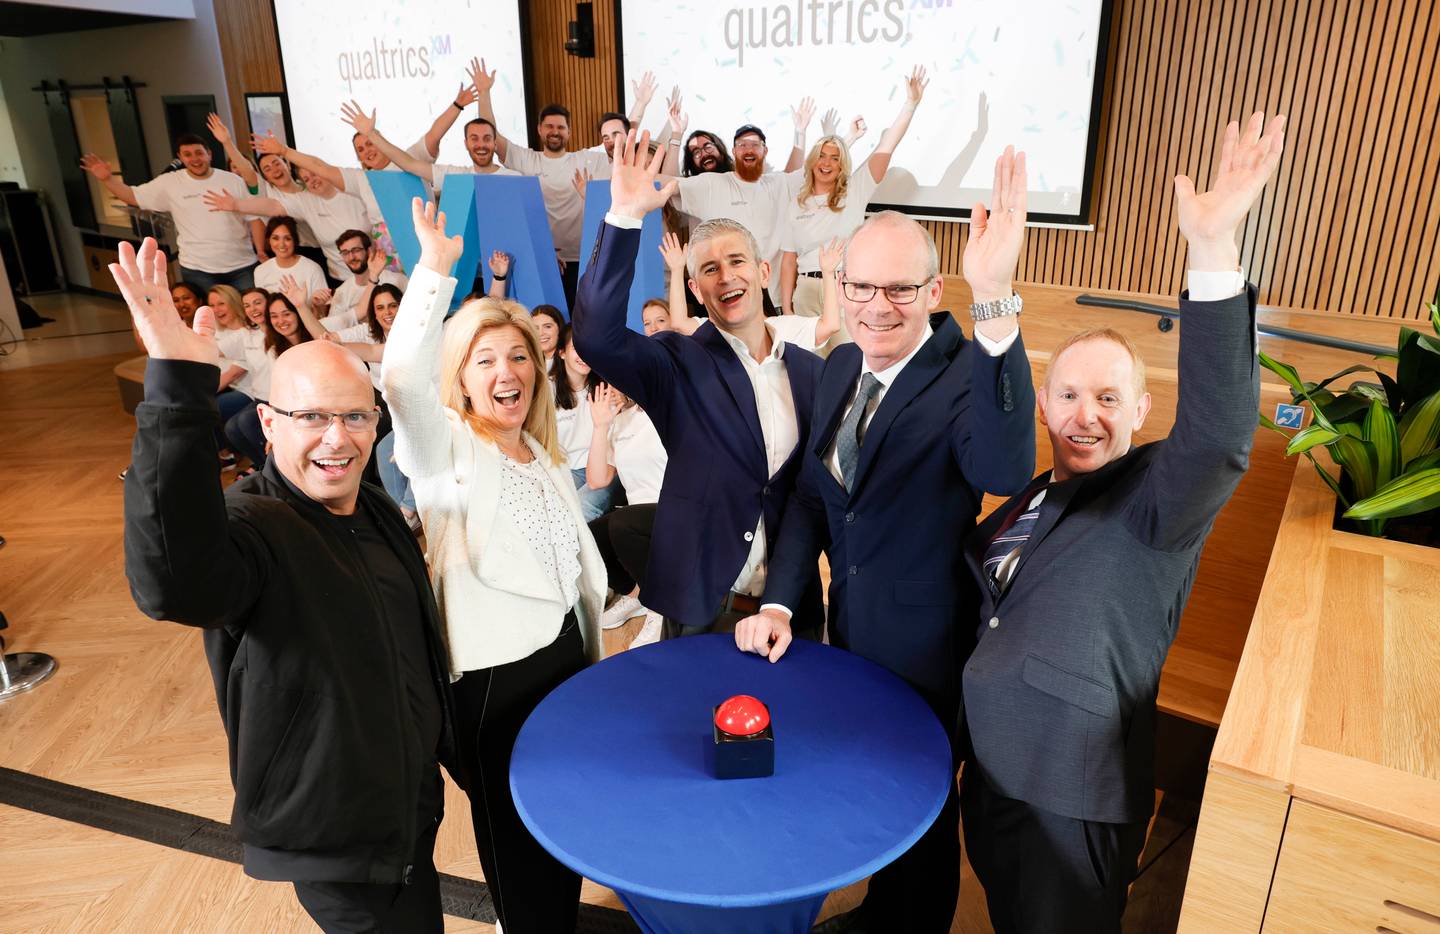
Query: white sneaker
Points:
[650, 632]
[621, 612]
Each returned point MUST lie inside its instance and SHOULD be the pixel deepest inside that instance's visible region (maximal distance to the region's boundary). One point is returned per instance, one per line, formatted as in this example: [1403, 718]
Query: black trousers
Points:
[533, 892]
[369, 908]
[623, 538]
[1044, 872]
[569, 280]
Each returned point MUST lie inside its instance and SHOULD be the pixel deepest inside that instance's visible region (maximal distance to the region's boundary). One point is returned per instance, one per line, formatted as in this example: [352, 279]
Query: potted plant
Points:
[1384, 436]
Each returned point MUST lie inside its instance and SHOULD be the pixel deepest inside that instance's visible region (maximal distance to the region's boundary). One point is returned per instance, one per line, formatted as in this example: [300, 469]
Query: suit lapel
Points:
[928, 363]
[732, 374]
[977, 541]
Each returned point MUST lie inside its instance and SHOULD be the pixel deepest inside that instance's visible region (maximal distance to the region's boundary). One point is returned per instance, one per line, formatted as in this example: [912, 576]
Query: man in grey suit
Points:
[1084, 575]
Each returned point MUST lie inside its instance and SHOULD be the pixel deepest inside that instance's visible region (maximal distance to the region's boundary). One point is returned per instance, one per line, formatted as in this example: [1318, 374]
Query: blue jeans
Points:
[395, 482]
[242, 279]
[595, 503]
[246, 436]
[231, 403]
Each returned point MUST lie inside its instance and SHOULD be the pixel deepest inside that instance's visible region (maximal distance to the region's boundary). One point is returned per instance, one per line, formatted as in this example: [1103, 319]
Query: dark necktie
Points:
[999, 565]
[847, 443]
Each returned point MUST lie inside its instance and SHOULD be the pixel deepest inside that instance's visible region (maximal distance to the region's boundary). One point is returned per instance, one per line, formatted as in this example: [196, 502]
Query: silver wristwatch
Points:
[984, 311]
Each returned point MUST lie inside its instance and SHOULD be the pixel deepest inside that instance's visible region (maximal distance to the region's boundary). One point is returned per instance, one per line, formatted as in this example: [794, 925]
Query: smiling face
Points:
[884, 255]
[728, 280]
[828, 165]
[554, 133]
[549, 332]
[275, 170]
[226, 315]
[576, 369]
[750, 157]
[611, 132]
[704, 153]
[196, 159]
[1091, 405]
[365, 150]
[499, 379]
[354, 254]
[385, 307]
[316, 183]
[325, 465]
[186, 301]
[254, 307]
[284, 322]
[656, 317]
[282, 243]
[480, 143]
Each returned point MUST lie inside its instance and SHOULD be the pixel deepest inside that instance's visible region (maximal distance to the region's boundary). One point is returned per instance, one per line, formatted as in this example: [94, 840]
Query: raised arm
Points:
[364, 124]
[644, 90]
[677, 121]
[994, 439]
[103, 174]
[599, 472]
[269, 145]
[185, 560]
[802, 116]
[1198, 466]
[830, 256]
[294, 291]
[239, 164]
[463, 98]
[412, 350]
[499, 273]
[484, 82]
[879, 160]
[217, 199]
[674, 255]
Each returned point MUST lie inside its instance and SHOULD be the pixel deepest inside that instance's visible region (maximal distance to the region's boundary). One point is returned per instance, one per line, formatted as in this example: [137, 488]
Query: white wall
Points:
[169, 58]
[10, 168]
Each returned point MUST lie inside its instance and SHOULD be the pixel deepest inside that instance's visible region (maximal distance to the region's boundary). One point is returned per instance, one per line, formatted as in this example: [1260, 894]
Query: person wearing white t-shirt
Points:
[366, 268]
[831, 204]
[573, 385]
[480, 137]
[274, 174]
[328, 210]
[282, 236]
[213, 249]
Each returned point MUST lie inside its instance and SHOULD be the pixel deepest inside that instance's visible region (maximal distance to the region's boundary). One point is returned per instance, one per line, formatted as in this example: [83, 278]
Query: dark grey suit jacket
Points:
[1059, 692]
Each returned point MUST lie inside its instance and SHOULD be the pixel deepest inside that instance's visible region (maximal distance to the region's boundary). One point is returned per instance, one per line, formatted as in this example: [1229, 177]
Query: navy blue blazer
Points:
[717, 483]
[956, 423]
[1059, 692]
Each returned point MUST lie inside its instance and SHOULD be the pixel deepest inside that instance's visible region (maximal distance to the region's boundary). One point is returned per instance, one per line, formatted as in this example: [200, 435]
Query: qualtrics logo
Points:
[383, 61]
[794, 23]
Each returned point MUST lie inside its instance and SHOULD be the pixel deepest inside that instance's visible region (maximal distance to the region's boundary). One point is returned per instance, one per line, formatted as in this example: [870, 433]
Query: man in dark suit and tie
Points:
[1084, 576]
[912, 424]
[730, 402]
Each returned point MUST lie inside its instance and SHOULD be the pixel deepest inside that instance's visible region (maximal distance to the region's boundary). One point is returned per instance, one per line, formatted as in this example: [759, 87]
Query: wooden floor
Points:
[131, 710]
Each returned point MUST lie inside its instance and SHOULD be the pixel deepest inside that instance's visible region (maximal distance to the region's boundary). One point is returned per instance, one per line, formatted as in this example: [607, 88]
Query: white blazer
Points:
[497, 602]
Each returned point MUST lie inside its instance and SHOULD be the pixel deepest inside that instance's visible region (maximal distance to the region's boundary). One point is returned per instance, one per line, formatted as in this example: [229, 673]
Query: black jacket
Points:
[326, 773]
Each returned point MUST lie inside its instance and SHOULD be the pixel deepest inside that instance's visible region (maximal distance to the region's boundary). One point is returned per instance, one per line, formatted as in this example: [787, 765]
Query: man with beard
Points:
[366, 272]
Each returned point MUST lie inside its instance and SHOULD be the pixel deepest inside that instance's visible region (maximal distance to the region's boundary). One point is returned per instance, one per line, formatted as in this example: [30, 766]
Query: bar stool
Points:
[21, 671]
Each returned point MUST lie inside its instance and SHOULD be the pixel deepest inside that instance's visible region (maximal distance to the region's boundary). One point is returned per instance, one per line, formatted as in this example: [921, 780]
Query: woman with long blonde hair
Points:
[517, 576]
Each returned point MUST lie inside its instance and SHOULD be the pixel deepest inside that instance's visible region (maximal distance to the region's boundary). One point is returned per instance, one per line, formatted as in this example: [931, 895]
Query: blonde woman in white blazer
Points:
[517, 577]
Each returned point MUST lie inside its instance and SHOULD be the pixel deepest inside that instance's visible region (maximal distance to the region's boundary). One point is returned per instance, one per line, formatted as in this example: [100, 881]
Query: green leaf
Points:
[1330, 481]
[1288, 373]
[1381, 432]
[1424, 462]
[1404, 496]
[1307, 438]
[1357, 368]
[1346, 408]
[1418, 369]
[1370, 391]
[1394, 399]
[1358, 458]
[1420, 428]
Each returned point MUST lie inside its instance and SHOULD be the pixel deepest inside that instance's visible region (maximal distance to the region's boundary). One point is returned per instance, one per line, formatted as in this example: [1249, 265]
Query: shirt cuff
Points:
[425, 279]
[1215, 286]
[623, 222]
[997, 348]
[777, 606]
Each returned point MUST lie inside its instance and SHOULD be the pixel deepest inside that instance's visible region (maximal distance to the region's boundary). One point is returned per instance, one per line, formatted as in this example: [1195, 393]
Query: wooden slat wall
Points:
[1351, 225]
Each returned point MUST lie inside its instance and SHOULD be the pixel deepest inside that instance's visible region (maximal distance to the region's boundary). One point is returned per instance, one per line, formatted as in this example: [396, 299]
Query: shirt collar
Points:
[777, 345]
[888, 375]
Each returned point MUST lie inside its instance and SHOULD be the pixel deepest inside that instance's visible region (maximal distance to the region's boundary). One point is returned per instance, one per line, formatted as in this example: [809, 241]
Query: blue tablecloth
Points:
[611, 775]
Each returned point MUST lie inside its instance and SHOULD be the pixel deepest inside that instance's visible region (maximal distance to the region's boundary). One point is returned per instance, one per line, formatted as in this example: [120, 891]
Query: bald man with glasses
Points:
[912, 424]
[320, 626]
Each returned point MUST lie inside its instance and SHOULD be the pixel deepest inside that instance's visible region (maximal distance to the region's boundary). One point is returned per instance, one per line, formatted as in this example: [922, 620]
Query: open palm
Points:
[996, 236]
[1246, 163]
[633, 177]
[142, 281]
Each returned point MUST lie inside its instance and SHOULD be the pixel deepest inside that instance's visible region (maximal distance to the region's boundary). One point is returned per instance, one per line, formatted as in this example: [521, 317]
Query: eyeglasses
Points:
[748, 144]
[312, 420]
[354, 251]
[901, 294]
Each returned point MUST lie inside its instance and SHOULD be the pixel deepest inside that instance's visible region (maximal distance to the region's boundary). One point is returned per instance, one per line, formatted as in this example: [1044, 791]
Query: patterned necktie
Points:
[847, 444]
[1004, 550]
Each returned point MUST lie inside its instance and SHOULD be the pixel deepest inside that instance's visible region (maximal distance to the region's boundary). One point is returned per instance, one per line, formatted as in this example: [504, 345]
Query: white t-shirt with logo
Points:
[439, 171]
[307, 236]
[811, 225]
[306, 272]
[638, 456]
[357, 183]
[329, 218]
[563, 204]
[209, 241]
[757, 205]
[576, 429]
[345, 300]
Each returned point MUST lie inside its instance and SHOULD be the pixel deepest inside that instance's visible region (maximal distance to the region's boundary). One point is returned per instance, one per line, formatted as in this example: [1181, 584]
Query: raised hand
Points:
[580, 180]
[142, 281]
[375, 263]
[803, 114]
[96, 166]
[915, 85]
[266, 145]
[857, 128]
[481, 79]
[1210, 221]
[830, 122]
[996, 236]
[607, 404]
[830, 256]
[320, 299]
[354, 115]
[500, 263]
[466, 96]
[218, 129]
[644, 89]
[293, 290]
[219, 200]
[672, 252]
[678, 120]
[437, 251]
[633, 177]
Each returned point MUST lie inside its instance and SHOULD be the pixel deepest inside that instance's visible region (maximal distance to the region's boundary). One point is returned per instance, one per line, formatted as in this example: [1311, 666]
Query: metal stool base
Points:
[24, 670]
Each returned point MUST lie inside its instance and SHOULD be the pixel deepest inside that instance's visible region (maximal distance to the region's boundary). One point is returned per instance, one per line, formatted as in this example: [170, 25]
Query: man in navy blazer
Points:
[1084, 576]
[731, 403]
[912, 424]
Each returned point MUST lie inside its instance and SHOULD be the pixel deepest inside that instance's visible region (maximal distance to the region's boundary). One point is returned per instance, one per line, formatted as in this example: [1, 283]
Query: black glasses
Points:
[312, 420]
[901, 294]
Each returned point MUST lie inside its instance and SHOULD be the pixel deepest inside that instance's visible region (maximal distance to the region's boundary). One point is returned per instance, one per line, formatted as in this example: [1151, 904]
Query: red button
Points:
[742, 715]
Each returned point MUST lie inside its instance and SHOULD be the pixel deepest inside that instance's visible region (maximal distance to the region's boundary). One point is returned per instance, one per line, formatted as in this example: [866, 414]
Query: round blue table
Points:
[611, 775]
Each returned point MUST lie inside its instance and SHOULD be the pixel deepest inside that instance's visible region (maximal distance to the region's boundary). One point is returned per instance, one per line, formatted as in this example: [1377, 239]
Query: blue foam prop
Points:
[457, 201]
[393, 192]
[650, 276]
[510, 217]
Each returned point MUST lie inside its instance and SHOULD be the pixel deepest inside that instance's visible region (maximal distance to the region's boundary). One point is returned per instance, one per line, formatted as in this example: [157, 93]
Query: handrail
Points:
[1170, 315]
